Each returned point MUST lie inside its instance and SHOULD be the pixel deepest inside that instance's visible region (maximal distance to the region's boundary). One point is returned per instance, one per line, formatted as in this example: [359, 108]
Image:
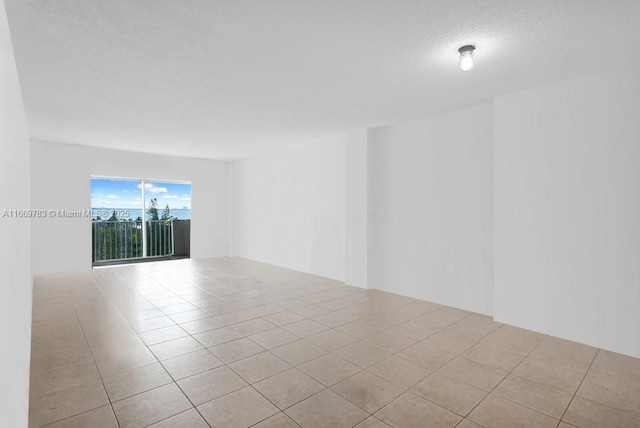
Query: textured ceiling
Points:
[232, 79]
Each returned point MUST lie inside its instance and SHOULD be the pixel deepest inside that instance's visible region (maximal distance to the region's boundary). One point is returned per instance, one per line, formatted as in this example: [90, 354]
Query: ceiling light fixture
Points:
[466, 57]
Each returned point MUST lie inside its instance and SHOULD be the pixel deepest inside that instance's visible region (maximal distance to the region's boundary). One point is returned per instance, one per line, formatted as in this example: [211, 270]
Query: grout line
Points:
[164, 368]
[224, 364]
[579, 385]
[84, 334]
[505, 376]
[265, 298]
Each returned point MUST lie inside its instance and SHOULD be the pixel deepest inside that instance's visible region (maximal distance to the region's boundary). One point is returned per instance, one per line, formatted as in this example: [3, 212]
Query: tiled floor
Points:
[233, 343]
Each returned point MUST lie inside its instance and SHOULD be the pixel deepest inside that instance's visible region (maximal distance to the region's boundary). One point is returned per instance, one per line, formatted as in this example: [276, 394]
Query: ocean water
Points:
[132, 214]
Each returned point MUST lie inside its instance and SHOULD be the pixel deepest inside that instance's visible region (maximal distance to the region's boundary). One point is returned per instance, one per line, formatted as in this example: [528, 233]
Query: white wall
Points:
[567, 209]
[15, 242]
[61, 179]
[356, 208]
[431, 209]
[290, 208]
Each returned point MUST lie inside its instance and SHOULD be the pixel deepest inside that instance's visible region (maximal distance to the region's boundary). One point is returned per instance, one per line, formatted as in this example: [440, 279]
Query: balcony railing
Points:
[123, 240]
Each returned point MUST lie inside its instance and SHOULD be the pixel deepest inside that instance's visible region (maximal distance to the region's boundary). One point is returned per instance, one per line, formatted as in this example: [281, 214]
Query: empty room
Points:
[308, 214]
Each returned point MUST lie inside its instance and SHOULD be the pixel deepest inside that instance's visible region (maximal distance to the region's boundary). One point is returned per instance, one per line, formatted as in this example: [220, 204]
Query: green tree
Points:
[152, 212]
[166, 213]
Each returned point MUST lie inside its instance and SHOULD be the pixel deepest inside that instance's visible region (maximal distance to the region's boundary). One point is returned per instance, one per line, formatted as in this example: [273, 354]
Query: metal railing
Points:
[159, 238]
[122, 240]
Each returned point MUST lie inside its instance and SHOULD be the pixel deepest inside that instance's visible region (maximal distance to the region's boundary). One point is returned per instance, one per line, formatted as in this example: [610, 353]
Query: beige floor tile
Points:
[549, 374]
[329, 369]
[283, 318]
[240, 409]
[298, 352]
[605, 390]
[151, 406]
[420, 307]
[113, 344]
[176, 347]
[189, 419]
[260, 366]
[236, 317]
[564, 353]
[273, 338]
[288, 388]
[66, 330]
[177, 308]
[201, 325]
[305, 327]
[450, 342]
[326, 409]
[362, 329]
[502, 360]
[279, 420]
[200, 298]
[443, 353]
[162, 335]
[372, 422]
[410, 410]
[452, 394]
[475, 326]
[337, 318]
[449, 315]
[514, 339]
[266, 309]
[362, 354]
[389, 320]
[135, 381]
[142, 326]
[63, 404]
[101, 417]
[124, 361]
[311, 310]
[536, 396]
[189, 316]
[419, 328]
[189, 364]
[331, 340]
[390, 342]
[619, 368]
[247, 328]
[148, 314]
[166, 299]
[218, 336]
[63, 378]
[336, 304]
[60, 354]
[500, 413]
[292, 304]
[473, 373]
[584, 413]
[236, 350]
[212, 384]
[367, 391]
[466, 423]
[426, 356]
[400, 372]
[221, 309]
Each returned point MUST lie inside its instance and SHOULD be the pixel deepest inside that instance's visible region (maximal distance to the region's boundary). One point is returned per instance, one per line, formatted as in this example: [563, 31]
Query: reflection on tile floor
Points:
[232, 343]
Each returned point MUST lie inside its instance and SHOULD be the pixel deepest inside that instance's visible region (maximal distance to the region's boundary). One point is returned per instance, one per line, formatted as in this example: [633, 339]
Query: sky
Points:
[108, 193]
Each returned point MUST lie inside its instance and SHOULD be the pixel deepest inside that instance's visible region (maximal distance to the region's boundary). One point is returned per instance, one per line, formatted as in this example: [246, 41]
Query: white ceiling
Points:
[232, 79]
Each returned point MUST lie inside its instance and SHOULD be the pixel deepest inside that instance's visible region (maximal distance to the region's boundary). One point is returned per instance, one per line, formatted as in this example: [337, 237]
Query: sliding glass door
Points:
[138, 219]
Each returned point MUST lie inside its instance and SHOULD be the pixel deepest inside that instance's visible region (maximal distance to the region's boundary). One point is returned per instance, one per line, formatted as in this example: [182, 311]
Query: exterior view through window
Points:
[136, 220]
